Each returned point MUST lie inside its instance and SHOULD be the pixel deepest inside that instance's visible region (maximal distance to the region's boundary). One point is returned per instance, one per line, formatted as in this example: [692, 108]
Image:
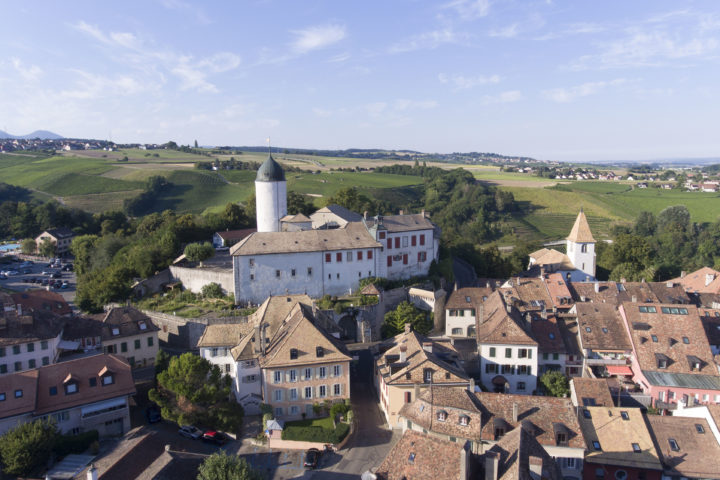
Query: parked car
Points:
[3, 276]
[64, 284]
[190, 432]
[56, 275]
[68, 268]
[212, 436]
[312, 458]
[152, 413]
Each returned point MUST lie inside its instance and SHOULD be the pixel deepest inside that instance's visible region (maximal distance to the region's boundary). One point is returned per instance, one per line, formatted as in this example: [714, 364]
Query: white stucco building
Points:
[270, 196]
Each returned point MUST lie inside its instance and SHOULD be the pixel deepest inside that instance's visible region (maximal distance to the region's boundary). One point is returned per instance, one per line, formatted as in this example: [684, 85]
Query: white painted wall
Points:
[583, 261]
[464, 321]
[24, 356]
[271, 205]
[399, 249]
[194, 279]
[500, 359]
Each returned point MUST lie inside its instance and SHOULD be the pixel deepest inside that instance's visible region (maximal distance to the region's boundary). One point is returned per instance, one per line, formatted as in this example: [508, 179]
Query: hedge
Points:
[67, 444]
[316, 434]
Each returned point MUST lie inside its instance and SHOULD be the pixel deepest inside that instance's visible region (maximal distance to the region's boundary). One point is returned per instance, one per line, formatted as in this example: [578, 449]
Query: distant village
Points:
[549, 374]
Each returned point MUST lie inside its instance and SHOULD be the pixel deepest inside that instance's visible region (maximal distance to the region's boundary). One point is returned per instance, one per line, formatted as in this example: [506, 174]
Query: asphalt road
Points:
[19, 283]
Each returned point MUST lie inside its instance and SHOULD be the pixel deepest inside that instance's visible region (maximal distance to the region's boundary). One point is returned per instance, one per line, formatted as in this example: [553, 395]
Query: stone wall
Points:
[183, 333]
[194, 279]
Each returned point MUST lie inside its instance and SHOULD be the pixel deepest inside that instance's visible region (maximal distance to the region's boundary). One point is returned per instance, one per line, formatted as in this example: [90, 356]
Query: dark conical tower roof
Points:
[270, 171]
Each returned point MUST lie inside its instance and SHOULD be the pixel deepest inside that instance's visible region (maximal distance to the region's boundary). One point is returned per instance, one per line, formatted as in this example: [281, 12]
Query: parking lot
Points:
[21, 276]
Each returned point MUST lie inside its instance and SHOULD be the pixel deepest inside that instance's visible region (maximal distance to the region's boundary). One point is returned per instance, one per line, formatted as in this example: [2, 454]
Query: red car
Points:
[214, 437]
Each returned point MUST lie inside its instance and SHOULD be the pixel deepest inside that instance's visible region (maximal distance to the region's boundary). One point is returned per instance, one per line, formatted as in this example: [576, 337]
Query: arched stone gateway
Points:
[348, 325]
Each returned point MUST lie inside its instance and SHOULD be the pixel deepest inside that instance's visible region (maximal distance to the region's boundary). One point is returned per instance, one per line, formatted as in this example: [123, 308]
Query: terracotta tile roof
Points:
[125, 322]
[26, 382]
[225, 335]
[42, 300]
[616, 430]
[669, 292]
[697, 453]
[714, 410]
[711, 323]
[601, 327]
[552, 258]
[515, 451]
[569, 331]
[78, 327]
[443, 361]
[499, 326]
[298, 218]
[591, 392]
[353, 235]
[527, 294]
[558, 291]
[671, 330]
[612, 292]
[421, 457]
[404, 223]
[275, 309]
[439, 409]
[370, 289]
[470, 297]
[31, 327]
[312, 344]
[235, 235]
[544, 413]
[580, 232]
[704, 280]
[547, 335]
[706, 300]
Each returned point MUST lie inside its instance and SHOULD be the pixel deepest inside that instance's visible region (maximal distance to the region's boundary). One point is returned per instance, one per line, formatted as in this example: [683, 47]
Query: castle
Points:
[294, 254]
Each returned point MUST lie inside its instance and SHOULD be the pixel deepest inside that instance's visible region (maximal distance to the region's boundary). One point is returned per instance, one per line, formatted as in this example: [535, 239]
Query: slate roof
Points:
[299, 331]
[352, 236]
[497, 326]
[601, 327]
[42, 300]
[591, 392]
[342, 212]
[515, 450]
[60, 232]
[270, 171]
[404, 223]
[454, 403]
[616, 436]
[443, 361]
[698, 453]
[544, 413]
[421, 457]
[672, 331]
[580, 232]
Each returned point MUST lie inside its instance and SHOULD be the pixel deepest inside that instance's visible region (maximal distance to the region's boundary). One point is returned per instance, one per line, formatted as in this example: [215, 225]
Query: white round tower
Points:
[270, 196]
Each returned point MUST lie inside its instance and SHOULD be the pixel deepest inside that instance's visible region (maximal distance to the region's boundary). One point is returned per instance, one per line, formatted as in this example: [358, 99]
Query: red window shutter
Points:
[422, 239]
[338, 257]
[382, 235]
[397, 242]
[328, 258]
[408, 397]
[389, 261]
[413, 240]
[369, 254]
[359, 255]
[389, 243]
[405, 259]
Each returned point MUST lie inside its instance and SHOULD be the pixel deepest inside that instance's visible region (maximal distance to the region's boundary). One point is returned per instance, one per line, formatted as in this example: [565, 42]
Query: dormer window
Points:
[654, 338]
[636, 448]
[2, 397]
[699, 428]
[499, 432]
[561, 438]
[467, 299]
[107, 377]
[442, 416]
[662, 363]
[673, 445]
[70, 388]
[624, 415]
[115, 331]
[319, 352]
[408, 376]
[427, 375]
[18, 393]
[293, 354]
[464, 420]
[142, 325]
[686, 340]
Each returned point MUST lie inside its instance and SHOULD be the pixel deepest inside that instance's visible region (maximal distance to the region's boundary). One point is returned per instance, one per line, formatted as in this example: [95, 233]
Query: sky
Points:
[554, 80]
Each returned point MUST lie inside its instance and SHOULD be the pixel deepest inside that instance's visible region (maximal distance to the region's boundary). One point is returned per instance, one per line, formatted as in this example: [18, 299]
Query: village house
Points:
[333, 216]
[590, 392]
[229, 238]
[41, 300]
[462, 308]
[408, 360]
[60, 237]
[128, 332]
[604, 342]
[91, 393]
[28, 340]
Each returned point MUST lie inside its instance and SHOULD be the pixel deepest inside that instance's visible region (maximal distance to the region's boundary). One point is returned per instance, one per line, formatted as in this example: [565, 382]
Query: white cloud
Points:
[313, 38]
[509, 96]
[566, 95]
[429, 40]
[469, 9]
[461, 82]
[507, 32]
[29, 73]
[340, 58]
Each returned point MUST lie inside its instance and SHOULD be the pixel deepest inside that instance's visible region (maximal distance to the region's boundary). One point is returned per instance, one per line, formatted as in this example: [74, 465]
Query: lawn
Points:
[325, 422]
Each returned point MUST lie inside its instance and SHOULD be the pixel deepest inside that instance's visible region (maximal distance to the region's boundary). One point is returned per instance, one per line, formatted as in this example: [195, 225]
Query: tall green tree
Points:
[28, 246]
[27, 446]
[221, 466]
[555, 383]
[199, 252]
[47, 248]
[406, 312]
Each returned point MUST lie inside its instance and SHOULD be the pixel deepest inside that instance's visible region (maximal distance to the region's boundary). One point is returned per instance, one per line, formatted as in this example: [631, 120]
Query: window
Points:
[308, 374]
[322, 391]
[337, 275]
[319, 352]
[123, 347]
[277, 377]
[405, 259]
[293, 354]
[381, 235]
[457, 331]
[583, 248]
[142, 325]
[338, 257]
[227, 368]
[293, 394]
[492, 352]
[686, 340]
[150, 341]
[596, 445]
[442, 415]
[93, 382]
[278, 411]
[521, 386]
[328, 258]
[293, 375]
[636, 448]
[18, 393]
[422, 239]
[2, 351]
[278, 395]
[654, 338]
[464, 420]
[2, 397]
[556, 356]
[108, 379]
[600, 472]
[71, 388]
[620, 475]
[251, 262]
[369, 254]
[522, 353]
[673, 445]
[30, 347]
[524, 370]
[277, 273]
[3, 368]
[115, 331]
[16, 349]
[586, 413]
[18, 366]
[699, 428]
[499, 432]
[427, 375]
[560, 438]
[308, 392]
[604, 330]
[545, 356]
[491, 368]
[137, 344]
[624, 415]
[336, 389]
[422, 256]
[508, 353]
[389, 243]
[292, 272]
[349, 256]
[31, 363]
[389, 261]
[408, 397]
[322, 372]
[509, 369]
[53, 391]
[252, 277]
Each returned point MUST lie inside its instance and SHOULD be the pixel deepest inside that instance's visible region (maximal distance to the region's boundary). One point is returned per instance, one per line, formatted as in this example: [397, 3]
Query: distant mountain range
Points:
[41, 134]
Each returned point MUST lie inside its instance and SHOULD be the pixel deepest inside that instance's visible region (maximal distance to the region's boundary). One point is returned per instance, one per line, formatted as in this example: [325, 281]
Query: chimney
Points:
[587, 278]
[682, 274]
[492, 459]
[402, 212]
[691, 401]
[92, 472]
[471, 387]
[423, 213]
[19, 310]
[515, 412]
[365, 214]
[416, 389]
[543, 314]
[709, 277]
[642, 280]
[428, 347]
[535, 464]
[508, 307]
[408, 327]
[622, 280]
[669, 284]
[597, 287]
[403, 353]
[634, 299]
[487, 284]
